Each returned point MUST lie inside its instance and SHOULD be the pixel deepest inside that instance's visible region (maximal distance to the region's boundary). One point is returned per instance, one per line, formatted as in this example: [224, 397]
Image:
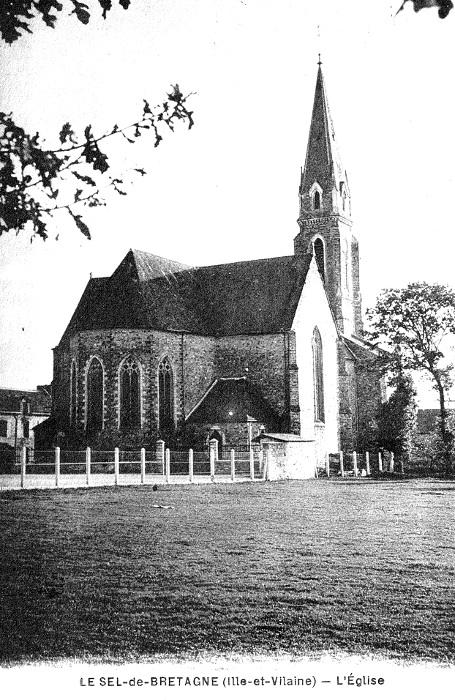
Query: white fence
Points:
[355, 464]
[63, 468]
[66, 468]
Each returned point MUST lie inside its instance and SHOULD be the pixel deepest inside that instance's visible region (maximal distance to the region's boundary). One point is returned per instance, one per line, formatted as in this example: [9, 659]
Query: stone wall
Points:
[196, 362]
[335, 231]
[262, 359]
[288, 460]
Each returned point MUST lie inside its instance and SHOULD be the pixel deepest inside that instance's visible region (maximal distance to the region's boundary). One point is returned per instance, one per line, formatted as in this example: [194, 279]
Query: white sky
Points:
[227, 190]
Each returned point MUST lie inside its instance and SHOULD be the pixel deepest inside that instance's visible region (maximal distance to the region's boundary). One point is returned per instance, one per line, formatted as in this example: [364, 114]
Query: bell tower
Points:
[325, 217]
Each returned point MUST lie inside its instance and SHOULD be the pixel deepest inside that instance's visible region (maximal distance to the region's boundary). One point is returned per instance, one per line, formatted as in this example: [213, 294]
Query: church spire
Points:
[323, 186]
[325, 217]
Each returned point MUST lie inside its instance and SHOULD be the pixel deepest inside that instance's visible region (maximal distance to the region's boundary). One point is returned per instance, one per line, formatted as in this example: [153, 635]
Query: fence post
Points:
[190, 466]
[142, 465]
[88, 457]
[232, 465]
[367, 463]
[392, 461]
[251, 465]
[327, 464]
[57, 466]
[341, 464]
[379, 462]
[167, 465]
[160, 453]
[116, 465]
[354, 463]
[23, 465]
[212, 461]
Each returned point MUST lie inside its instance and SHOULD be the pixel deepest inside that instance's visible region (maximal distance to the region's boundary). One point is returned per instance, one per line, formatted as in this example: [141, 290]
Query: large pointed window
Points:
[318, 248]
[95, 392]
[73, 395]
[165, 397]
[318, 377]
[130, 395]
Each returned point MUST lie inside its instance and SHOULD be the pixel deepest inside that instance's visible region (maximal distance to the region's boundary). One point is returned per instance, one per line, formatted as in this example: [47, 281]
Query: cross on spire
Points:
[319, 61]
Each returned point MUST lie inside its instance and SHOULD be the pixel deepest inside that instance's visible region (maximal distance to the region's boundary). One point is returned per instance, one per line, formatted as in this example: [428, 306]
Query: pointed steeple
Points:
[325, 217]
[323, 185]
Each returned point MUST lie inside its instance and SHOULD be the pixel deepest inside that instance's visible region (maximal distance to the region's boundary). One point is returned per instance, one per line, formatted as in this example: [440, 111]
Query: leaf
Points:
[444, 6]
[66, 133]
[106, 5]
[81, 11]
[85, 178]
[83, 228]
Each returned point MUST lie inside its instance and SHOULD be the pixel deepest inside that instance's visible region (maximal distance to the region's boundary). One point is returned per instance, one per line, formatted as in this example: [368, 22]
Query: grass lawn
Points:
[290, 567]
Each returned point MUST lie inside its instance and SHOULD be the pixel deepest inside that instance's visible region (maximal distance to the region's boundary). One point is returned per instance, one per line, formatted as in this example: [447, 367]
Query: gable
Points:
[148, 292]
[232, 400]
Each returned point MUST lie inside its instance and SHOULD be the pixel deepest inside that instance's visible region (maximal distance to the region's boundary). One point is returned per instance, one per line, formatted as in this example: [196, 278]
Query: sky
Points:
[228, 189]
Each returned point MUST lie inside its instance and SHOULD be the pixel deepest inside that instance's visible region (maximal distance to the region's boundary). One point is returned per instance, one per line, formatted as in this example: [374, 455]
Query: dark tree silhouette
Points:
[412, 323]
[397, 418]
[16, 16]
[444, 6]
[36, 181]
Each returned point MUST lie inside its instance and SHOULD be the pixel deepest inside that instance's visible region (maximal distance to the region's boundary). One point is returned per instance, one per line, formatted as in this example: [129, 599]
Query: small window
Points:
[3, 428]
[318, 377]
[130, 395]
[95, 397]
[317, 200]
[73, 390]
[26, 429]
[165, 398]
[318, 249]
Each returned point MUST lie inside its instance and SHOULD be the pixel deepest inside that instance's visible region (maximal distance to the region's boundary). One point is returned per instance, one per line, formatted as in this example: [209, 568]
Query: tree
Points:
[16, 17]
[36, 182]
[413, 323]
[444, 6]
[397, 418]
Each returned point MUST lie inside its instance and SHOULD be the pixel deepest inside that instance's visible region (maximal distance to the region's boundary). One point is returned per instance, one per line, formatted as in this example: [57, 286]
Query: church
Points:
[161, 350]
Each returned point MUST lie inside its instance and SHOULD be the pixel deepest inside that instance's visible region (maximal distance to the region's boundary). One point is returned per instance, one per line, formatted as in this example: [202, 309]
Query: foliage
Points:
[16, 17]
[444, 6]
[413, 323]
[36, 182]
[397, 418]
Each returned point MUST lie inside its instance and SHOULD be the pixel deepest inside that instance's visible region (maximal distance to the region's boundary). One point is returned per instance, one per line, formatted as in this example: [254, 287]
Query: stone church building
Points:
[160, 349]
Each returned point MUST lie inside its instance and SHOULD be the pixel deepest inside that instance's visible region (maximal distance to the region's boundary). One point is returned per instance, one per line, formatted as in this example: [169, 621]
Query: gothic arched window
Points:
[95, 396]
[318, 248]
[165, 397]
[318, 376]
[130, 394]
[73, 394]
[317, 200]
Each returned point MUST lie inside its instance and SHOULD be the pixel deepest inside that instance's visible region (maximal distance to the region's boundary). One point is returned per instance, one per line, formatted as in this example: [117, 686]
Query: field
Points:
[299, 568]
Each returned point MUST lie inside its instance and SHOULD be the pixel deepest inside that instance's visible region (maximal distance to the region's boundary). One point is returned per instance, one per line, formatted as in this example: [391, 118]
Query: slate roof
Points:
[40, 401]
[236, 396]
[323, 163]
[149, 292]
[360, 349]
